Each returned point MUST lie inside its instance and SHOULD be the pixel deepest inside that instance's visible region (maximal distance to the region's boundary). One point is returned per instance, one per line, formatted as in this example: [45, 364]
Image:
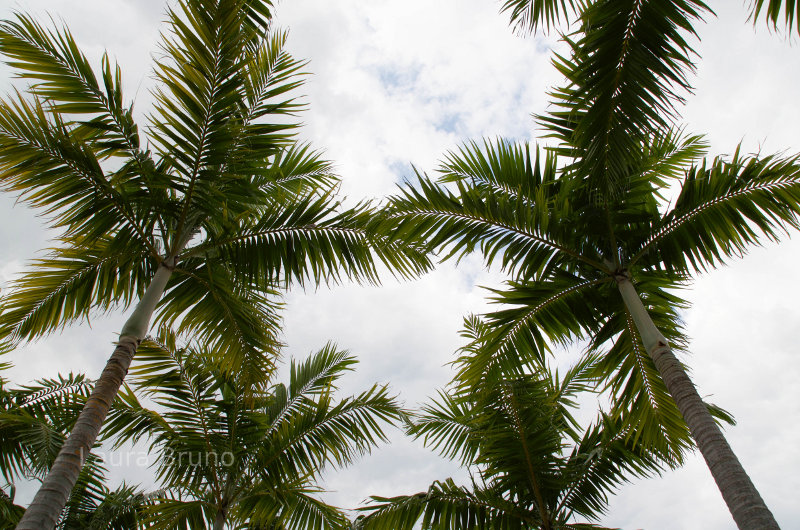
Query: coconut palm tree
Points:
[234, 452]
[34, 422]
[532, 466]
[197, 220]
[600, 233]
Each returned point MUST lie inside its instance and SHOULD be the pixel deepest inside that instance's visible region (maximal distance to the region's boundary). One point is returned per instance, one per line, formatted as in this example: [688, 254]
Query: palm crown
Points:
[199, 221]
[237, 453]
[585, 225]
[532, 465]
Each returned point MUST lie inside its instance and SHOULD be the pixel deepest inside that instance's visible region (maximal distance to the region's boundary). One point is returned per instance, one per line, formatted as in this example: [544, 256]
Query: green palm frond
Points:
[534, 467]
[602, 460]
[529, 15]
[33, 419]
[472, 218]
[204, 298]
[625, 73]
[202, 96]
[257, 445]
[307, 238]
[723, 208]
[290, 506]
[536, 315]
[330, 432]
[45, 160]
[775, 10]
[446, 506]
[10, 513]
[70, 283]
[63, 77]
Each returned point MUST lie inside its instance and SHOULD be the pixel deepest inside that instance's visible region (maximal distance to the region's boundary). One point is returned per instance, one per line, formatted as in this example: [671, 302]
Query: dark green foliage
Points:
[531, 465]
[252, 449]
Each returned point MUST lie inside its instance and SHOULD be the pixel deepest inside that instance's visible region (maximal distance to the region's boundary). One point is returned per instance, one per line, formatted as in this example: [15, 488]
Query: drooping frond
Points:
[638, 393]
[536, 315]
[205, 300]
[33, 419]
[722, 209]
[602, 460]
[290, 506]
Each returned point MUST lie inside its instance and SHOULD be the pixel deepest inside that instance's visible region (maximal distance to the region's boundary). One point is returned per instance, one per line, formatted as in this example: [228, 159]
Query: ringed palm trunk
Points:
[744, 502]
[46, 507]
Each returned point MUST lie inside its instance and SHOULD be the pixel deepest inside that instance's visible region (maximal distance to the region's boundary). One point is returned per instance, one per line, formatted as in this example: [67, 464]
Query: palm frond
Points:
[63, 77]
[723, 208]
[478, 219]
[306, 238]
[445, 506]
[535, 316]
[205, 300]
[71, 282]
[528, 15]
[772, 13]
[45, 160]
[626, 71]
[330, 432]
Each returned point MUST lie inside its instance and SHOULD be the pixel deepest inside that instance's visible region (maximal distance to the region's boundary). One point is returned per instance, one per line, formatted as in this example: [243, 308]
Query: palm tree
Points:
[235, 452]
[34, 422]
[532, 466]
[529, 15]
[595, 248]
[198, 221]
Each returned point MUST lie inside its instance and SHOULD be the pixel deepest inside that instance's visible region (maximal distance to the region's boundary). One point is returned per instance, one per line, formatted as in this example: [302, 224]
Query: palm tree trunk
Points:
[744, 502]
[219, 520]
[45, 510]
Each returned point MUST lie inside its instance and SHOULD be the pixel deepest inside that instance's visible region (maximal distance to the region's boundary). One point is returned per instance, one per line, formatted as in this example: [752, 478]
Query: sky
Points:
[400, 83]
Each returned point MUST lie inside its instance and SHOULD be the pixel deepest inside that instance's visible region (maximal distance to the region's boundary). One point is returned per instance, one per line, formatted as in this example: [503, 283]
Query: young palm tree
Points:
[594, 246]
[235, 452]
[532, 467]
[198, 221]
[34, 422]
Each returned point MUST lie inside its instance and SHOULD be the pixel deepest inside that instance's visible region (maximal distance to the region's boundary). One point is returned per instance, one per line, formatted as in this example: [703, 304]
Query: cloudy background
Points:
[401, 82]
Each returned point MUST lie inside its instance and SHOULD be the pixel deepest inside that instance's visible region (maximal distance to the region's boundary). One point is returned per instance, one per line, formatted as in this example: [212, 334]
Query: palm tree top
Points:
[532, 465]
[251, 451]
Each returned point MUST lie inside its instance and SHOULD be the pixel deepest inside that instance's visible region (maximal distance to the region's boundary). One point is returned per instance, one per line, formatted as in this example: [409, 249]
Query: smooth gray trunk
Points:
[45, 510]
[744, 502]
[219, 520]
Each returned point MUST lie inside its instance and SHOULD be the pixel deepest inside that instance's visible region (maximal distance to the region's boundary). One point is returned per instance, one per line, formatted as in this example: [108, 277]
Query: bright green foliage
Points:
[216, 181]
[250, 451]
[531, 465]
[601, 203]
[34, 421]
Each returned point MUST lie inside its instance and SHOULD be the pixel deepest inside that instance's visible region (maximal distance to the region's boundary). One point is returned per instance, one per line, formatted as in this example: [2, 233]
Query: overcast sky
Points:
[401, 82]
